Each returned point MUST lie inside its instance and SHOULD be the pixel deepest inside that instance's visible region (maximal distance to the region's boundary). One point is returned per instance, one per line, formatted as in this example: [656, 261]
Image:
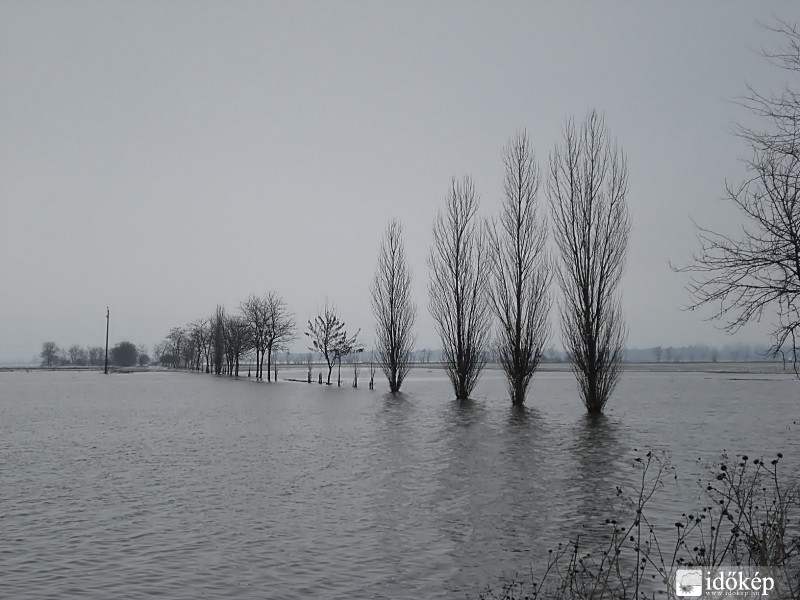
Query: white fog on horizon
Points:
[161, 158]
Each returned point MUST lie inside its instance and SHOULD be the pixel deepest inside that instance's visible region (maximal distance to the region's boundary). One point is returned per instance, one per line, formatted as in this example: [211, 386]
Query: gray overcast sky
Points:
[163, 157]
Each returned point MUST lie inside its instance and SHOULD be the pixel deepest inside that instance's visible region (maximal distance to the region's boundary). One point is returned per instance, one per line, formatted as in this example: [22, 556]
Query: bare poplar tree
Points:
[521, 270]
[758, 270]
[587, 186]
[458, 287]
[394, 310]
[218, 337]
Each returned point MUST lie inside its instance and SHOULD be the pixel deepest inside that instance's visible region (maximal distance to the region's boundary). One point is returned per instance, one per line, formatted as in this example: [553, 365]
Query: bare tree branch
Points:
[758, 270]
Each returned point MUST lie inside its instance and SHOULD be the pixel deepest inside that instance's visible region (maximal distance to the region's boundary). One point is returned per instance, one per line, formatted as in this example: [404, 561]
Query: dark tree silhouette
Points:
[238, 340]
[458, 287]
[143, 358]
[198, 334]
[521, 271]
[218, 338]
[256, 312]
[49, 353]
[77, 355]
[176, 340]
[280, 328]
[395, 312]
[587, 186]
[96, 355]
[741, 276]
[124, 354]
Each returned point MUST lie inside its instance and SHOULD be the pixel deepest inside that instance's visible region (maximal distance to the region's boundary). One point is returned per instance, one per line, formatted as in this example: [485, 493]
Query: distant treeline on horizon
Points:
[739, 352]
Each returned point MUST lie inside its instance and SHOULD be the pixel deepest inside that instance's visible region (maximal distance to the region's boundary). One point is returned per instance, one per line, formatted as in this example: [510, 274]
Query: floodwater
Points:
[180, 485]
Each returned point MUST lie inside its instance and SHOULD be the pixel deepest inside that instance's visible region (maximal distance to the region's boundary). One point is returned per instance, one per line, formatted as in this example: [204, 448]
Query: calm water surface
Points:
[179, 485]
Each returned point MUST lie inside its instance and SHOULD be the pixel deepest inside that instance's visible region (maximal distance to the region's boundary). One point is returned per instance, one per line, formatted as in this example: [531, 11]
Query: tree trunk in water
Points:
[518, 397]
[462, 387]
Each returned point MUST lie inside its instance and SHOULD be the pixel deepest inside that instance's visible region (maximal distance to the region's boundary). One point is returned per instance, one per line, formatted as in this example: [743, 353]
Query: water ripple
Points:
[188, 486]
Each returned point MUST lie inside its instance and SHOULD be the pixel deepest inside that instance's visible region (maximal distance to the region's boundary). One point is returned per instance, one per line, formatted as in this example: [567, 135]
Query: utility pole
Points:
[108, 313]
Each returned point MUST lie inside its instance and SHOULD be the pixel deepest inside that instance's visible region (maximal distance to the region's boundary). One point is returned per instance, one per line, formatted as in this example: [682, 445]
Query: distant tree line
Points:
[259, 329]
[123, 354]
[699, 353]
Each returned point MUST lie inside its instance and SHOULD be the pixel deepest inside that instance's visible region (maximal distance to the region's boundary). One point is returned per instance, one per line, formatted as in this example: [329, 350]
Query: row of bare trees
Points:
[480, 272]
[503, 269]
[742, 277]
[263, 326]
[123, 354]
[75, 355]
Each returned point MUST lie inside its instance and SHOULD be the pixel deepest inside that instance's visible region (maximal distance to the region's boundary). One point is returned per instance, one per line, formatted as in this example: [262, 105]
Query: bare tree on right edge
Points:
[394, 310]
[521, 271]
[458, 287]
[587, 186]
[755, 272]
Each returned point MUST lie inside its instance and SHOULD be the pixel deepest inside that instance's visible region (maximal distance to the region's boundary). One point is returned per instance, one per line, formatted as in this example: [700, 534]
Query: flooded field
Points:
[180, 485]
